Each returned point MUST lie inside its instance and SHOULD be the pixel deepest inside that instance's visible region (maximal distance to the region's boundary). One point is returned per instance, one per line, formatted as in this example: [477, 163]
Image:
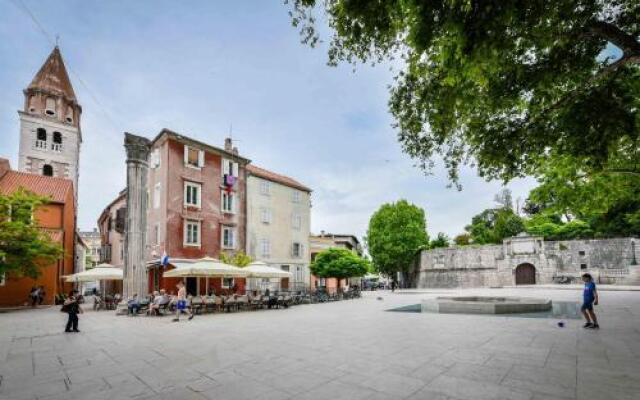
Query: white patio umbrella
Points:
[258, 269]
[205, 267]
[102, 272]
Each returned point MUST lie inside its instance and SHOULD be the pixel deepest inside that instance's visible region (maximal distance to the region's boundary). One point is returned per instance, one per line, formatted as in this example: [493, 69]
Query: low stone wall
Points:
[611, 261]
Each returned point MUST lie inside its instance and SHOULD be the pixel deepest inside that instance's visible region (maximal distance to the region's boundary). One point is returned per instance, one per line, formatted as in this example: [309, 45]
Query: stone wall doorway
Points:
[525, 274]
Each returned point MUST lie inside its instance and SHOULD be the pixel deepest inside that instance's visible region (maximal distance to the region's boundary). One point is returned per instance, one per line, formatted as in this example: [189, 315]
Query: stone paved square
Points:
[351, 349]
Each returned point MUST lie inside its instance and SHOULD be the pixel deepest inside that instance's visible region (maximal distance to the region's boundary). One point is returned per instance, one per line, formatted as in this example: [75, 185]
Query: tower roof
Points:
[52, 77]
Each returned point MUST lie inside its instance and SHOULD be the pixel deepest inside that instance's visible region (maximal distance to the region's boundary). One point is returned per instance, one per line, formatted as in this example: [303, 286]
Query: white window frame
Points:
[223, 232]
[200, 157]
[295, 196]
[157, 192]
[197, 185]
[300, 250]
[265, 248]
[233, 282]
[265, 187]
[185, 233]
[230, 167]
[266, 217]
[296, 221]
[3, 279]
[299, 274]
[223, 204]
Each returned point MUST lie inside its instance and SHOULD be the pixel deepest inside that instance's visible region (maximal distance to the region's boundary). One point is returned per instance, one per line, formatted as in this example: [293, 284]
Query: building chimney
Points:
[228, 144]
[235, 150]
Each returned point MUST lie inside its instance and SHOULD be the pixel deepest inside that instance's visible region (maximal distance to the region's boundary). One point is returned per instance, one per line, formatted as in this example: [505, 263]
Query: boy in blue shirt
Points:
[589, 299]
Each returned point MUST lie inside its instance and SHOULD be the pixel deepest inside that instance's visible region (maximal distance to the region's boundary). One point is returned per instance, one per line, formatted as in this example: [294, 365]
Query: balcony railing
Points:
[41, 144]
[56, 147]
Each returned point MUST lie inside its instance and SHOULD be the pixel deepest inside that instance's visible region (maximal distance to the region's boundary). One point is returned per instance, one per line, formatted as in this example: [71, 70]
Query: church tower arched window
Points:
[41, 139]
[50, 106]
[32, 103]
[69, 117]
[57, 141]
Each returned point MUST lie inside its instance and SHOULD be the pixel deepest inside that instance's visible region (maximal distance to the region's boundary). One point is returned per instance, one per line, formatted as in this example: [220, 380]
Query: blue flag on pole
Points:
[164, 261]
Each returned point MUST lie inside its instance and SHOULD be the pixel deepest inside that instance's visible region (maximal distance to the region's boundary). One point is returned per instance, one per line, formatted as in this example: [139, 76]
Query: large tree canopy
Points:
[397, 231]
[598, 204]
[499, 84]
[339, 263]
[24, 248]
[493, 225]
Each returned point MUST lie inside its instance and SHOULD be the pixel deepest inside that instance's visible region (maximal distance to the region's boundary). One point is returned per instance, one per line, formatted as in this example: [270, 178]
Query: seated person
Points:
[154, 301]
[133, 305]
[97, 303]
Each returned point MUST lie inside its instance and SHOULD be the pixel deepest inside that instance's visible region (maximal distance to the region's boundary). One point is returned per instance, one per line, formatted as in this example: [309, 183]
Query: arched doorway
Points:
[47, 170]
[525, 274]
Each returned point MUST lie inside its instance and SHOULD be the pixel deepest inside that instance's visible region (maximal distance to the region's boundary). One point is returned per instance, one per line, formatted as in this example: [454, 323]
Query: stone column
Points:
[135, 272]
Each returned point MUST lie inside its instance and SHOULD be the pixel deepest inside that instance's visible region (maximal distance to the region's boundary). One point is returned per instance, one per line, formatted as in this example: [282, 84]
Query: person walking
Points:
[181, 303]
[34, 294]
[72, 308]
[41, 295]
[589, 299]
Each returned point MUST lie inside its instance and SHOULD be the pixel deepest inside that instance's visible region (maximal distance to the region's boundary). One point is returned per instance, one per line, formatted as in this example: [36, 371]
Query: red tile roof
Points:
[272, 176]
[52, 77]
[55, 188]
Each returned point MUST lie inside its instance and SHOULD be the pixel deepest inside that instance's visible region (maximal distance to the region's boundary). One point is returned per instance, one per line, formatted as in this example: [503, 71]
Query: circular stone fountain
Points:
[485, 305]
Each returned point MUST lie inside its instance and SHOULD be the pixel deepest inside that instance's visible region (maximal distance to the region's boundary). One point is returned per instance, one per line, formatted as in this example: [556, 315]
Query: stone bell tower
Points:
[50, 134]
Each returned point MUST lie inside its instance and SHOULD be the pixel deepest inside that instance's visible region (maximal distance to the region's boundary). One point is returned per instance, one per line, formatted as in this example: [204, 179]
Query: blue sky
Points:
[198, 70]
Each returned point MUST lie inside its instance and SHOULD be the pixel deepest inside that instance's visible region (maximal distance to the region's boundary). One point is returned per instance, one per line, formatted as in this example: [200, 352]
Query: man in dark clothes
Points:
[72, 308]
[41, 295]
